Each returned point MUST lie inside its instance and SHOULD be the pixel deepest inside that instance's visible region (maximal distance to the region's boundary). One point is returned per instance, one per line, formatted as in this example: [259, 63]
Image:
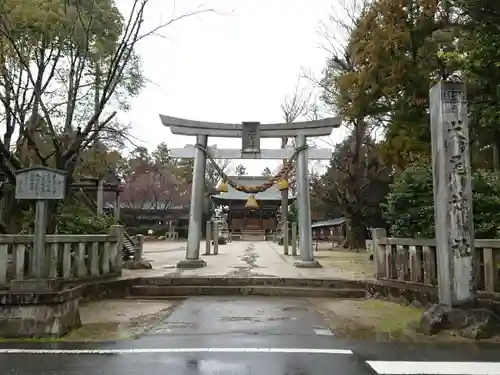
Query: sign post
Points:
[40, 184]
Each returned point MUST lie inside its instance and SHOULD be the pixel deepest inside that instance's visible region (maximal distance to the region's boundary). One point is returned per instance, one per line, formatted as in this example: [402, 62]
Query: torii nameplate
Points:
[250, 140]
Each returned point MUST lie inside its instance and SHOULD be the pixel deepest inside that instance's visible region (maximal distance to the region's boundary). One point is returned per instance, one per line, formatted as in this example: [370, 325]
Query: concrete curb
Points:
[289, 287]
[398, 291]
[272, 291]
[215, 281]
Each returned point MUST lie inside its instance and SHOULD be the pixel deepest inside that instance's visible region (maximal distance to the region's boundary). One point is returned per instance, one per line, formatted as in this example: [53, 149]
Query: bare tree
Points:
[240, 170]
[295, 106]
[212, 175]
[64, 71]
[266, 172]
[156, 189]
[68, 81]
[292, 108]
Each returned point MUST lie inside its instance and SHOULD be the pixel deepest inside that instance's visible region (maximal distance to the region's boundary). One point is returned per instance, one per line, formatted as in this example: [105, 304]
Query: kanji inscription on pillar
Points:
[459, 180]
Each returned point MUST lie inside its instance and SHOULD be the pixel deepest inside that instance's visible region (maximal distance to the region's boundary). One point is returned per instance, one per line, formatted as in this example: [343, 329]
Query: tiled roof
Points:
[329, 223]
[271, 194]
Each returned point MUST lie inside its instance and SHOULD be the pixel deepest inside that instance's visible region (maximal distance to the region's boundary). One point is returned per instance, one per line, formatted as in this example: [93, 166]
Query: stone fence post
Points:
[294, 238]
[285, 237]
[215, 236]
[118, 231]
[100, 197]
[208, 237]
[379, 252]
[139, 248]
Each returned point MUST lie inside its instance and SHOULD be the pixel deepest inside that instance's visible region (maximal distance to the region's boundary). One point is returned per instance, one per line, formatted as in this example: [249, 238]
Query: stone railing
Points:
[414, 260]
[337, 241]
[171, 236]
[67, 257]
[236, 235]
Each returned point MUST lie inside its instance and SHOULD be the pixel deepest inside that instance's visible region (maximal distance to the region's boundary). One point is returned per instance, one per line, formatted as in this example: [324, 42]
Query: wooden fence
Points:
[67, 257]
[414, 260]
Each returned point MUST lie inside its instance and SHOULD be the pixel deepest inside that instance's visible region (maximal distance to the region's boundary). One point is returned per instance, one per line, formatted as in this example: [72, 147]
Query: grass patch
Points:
[392, 317]
[369, 319]
[33, 340]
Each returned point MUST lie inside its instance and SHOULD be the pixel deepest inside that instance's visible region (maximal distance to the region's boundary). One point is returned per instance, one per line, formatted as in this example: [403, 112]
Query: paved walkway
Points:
[253, 259]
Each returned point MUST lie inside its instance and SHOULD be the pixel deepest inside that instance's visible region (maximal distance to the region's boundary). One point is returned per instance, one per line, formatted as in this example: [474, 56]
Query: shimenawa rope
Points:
[283, 172]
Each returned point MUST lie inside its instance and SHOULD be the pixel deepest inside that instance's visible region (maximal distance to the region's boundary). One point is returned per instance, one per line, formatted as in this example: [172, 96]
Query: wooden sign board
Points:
[40, 183]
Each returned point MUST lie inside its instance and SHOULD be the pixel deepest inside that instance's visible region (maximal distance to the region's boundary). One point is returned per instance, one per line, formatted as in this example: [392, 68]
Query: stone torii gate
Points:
[250, 133]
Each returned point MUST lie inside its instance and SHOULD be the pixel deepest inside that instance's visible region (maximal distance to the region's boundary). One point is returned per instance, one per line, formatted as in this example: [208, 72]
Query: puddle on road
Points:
[279, 318]
[239, 319]
[178, 325]
[250, 256]
[294, 308]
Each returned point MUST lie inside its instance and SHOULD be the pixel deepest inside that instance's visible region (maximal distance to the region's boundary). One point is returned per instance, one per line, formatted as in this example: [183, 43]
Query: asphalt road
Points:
[243, 336]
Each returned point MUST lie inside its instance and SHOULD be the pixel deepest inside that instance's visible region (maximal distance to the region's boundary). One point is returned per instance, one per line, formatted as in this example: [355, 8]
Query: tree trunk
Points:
[14, 212]
[496, 155]
[54, 207]
[356, 231]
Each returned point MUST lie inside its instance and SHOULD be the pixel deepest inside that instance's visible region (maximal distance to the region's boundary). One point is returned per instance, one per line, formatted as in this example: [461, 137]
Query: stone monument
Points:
[456, 259]
[452, 194]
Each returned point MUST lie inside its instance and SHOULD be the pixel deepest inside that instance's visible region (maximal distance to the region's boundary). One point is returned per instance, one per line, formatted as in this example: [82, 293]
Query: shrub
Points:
[79, 220]
[409, 206]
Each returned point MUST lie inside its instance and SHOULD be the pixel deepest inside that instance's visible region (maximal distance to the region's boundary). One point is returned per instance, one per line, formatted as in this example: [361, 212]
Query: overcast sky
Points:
[234, 66]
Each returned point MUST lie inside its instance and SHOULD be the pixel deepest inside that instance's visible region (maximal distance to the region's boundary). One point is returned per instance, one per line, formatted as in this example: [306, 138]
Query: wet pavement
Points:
[243, 322]
[199, 363]
[243, 336]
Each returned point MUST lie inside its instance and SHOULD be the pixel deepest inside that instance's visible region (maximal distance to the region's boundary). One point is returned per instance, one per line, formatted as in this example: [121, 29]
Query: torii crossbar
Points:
[250, 133]
[189, 152]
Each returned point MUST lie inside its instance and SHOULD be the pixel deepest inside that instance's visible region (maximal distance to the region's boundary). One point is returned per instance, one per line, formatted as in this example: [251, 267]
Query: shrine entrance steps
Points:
[168, 287]
[253, 235]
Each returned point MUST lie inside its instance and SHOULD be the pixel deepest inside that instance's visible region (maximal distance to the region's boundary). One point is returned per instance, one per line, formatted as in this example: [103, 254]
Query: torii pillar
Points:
[250, 133]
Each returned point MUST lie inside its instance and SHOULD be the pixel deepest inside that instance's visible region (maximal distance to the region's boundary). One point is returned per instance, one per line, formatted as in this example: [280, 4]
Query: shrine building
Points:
[249, 217]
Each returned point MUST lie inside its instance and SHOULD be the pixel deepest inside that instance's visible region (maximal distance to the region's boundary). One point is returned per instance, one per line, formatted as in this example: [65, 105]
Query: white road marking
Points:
[323, 332]
[435, 368]
[175, 350]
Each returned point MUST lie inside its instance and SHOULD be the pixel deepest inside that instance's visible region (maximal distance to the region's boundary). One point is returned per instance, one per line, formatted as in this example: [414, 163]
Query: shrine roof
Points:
[329, 223]
[271, 194]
